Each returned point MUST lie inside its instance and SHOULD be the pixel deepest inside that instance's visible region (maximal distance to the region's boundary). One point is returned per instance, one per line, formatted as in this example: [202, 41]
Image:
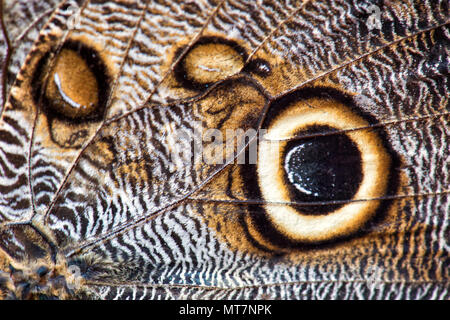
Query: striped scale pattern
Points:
[139, 226]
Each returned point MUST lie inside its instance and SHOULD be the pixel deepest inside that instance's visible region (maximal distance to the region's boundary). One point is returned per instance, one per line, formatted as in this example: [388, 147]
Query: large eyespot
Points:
[73, 85]
[211, 59]
[321, 171]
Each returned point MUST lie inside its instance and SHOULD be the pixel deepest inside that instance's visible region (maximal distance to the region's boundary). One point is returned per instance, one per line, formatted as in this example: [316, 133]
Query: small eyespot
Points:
[321, 172]
[211, 59]
[73, 84]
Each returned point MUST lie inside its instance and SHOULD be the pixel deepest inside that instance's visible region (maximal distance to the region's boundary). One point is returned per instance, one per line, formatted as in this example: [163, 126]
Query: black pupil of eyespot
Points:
[322, 169]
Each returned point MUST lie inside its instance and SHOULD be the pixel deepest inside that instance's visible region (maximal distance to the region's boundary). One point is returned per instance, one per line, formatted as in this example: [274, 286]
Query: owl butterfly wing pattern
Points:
[333, 182]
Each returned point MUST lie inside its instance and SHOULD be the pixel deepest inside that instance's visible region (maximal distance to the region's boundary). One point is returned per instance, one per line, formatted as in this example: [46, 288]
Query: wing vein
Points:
[172, 66]
[55, 198]
[369, 127]
[277, 28]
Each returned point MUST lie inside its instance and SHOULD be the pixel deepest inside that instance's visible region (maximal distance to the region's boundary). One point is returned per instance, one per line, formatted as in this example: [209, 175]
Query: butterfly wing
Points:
[118, 195]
